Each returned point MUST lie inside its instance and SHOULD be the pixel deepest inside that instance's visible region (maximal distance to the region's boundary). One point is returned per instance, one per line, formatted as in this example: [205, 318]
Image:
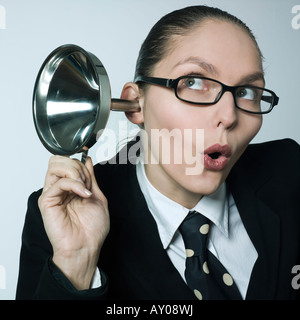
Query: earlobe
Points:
[131, 91]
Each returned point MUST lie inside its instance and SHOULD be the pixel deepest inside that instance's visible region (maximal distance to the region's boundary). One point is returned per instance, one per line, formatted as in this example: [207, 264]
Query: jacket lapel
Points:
[263, 227]
[160, 279]
[142, 261]
[159, 272]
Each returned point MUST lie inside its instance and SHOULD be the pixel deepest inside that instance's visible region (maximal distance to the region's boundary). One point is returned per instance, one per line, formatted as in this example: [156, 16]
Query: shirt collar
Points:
[215, 207]
[169, 214]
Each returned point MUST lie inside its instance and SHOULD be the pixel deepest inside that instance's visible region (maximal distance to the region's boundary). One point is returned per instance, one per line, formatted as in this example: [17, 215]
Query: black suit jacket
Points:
[265, 184]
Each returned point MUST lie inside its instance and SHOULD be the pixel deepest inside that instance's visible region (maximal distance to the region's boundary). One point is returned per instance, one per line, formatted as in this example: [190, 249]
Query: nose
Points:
[226, 112]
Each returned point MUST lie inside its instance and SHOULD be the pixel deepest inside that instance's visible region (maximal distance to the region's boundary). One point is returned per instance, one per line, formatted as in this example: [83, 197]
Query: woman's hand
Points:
[75, 216]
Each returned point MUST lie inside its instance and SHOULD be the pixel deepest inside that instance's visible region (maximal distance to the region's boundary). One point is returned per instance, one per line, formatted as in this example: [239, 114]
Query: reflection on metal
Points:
[72, 101]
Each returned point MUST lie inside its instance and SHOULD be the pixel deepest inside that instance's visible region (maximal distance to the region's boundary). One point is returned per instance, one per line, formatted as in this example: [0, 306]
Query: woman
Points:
[115, 231]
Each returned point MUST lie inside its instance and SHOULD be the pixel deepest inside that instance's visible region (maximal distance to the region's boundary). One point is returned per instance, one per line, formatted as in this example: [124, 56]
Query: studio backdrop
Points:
[113, 30]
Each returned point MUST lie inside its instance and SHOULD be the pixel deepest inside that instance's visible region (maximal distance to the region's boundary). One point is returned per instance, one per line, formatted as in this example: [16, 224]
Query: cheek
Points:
[250, 126]
[162, 110]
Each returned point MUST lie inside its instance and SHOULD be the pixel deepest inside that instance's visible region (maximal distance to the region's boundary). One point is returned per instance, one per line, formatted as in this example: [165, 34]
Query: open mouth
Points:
[216, 157]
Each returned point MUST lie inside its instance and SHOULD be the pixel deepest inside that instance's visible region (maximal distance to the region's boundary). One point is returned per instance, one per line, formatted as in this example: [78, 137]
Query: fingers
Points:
[69, 185]
[63, 167]
[65, 176]
[94, 184]
[53, 196]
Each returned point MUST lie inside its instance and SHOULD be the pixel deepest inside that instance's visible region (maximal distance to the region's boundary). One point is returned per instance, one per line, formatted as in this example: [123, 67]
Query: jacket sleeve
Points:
[38, 276]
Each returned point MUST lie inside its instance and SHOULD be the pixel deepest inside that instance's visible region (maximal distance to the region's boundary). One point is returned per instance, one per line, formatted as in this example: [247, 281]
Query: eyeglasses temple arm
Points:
[272, 100]
[169, 83]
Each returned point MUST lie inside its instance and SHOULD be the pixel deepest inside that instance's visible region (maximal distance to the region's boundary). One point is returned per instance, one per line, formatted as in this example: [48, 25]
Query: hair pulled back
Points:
[178, 22]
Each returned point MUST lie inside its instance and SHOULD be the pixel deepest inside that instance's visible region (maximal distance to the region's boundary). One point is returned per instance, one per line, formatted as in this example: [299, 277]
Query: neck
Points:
[169, 187]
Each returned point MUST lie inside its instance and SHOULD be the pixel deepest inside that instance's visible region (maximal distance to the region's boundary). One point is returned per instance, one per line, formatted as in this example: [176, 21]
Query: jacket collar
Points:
[262, 225]
[141, 252]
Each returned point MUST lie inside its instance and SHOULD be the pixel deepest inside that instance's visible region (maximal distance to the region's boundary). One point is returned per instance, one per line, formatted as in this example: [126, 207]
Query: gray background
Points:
[113, 30]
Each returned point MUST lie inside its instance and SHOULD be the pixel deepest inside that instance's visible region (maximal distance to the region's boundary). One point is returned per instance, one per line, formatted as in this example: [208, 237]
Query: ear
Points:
[131, 91]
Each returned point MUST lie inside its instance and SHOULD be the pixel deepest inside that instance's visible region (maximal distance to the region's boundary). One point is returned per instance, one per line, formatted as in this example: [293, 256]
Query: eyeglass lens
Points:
[198, 90]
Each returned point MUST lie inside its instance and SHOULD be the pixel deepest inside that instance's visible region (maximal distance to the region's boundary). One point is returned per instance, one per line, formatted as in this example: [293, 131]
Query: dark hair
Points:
[178, 22]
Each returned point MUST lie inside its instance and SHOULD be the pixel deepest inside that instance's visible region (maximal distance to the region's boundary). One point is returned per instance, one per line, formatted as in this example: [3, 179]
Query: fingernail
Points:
[87, 192]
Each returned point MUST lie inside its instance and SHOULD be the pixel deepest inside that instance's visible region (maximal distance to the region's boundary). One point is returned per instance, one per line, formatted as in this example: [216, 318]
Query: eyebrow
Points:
[253, 77]
[201, 63]
[208, 67]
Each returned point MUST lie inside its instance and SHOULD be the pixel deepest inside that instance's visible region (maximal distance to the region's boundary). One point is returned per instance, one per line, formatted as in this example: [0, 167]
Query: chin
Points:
[206, 183]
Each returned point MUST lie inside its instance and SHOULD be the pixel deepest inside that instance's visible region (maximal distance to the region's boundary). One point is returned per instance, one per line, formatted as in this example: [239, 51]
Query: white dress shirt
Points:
[228, 240]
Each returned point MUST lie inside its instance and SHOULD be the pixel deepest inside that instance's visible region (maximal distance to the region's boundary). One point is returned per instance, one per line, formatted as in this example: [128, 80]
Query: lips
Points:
[216, 157]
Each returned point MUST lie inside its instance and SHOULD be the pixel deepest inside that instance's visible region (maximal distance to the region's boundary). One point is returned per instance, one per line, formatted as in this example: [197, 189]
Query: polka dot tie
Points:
[204, 273]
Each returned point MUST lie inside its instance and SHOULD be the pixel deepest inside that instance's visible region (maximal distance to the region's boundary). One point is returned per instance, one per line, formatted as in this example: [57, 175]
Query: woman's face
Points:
[217, 50]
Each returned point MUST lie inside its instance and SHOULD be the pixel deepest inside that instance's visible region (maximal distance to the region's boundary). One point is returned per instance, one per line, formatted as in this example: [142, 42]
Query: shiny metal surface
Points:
[72, 101]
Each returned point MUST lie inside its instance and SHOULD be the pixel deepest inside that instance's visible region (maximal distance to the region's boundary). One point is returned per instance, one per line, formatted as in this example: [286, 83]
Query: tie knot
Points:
[194, 230]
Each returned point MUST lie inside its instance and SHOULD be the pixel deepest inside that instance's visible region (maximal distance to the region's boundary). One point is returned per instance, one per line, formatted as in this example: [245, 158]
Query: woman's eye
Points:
[246, 93]
[194, 83]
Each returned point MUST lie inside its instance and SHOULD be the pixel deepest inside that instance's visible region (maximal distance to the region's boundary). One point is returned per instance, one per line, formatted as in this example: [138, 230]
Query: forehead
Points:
[223, 45]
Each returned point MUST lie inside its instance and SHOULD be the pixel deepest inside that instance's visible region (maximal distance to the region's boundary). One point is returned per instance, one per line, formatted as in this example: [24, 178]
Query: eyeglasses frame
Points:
[173, 83]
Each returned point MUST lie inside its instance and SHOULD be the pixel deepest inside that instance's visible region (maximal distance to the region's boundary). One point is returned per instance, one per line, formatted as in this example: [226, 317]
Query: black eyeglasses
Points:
[205, 91]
